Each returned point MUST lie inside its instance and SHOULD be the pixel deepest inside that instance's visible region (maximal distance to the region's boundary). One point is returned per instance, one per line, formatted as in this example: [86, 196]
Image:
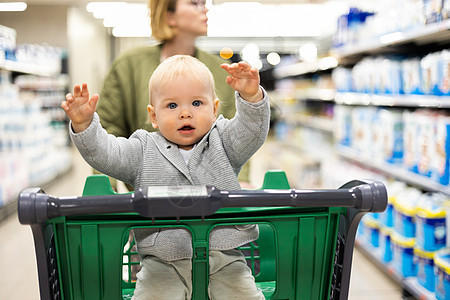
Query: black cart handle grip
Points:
[34, 206]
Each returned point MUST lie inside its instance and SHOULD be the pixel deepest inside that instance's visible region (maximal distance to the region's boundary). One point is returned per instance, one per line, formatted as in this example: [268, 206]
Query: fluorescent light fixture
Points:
[13, 6]
[125, 19]
[271, 20]
[97, 7]
[250, 19]
[131, 31]
[105, 11]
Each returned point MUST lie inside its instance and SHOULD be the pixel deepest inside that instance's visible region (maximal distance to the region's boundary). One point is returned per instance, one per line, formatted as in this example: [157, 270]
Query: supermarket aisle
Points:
[18, 278]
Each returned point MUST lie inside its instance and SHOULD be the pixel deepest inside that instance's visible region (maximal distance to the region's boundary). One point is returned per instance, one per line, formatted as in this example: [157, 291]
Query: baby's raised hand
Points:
[79, 108]
[245, 80]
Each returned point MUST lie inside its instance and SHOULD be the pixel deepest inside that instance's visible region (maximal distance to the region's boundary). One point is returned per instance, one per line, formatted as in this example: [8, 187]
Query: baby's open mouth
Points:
[186, 128]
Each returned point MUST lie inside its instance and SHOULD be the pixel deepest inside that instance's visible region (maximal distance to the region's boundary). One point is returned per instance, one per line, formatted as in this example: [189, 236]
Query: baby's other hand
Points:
[245, 80]
[79, 108]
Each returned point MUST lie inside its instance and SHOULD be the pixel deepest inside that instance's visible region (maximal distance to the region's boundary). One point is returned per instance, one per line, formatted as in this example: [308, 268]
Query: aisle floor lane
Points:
[369, 283]
[18, 276]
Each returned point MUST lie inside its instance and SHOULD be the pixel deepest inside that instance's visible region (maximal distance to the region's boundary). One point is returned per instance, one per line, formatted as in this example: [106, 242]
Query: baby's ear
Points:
[216, 106]
[152, 115]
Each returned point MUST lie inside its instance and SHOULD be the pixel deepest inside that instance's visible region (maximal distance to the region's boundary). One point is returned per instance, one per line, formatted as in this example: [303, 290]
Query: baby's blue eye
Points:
[196, 103]
[172, 105]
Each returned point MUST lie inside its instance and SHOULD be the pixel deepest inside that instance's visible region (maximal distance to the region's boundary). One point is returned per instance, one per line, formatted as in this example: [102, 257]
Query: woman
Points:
[176, 24]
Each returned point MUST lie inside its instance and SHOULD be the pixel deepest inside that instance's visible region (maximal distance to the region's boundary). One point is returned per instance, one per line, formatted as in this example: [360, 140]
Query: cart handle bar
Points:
[35, 206]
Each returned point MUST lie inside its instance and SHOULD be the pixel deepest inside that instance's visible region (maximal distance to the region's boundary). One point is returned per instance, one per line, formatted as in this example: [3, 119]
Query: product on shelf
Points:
[403, 255]
[361, 120]
[358, 26]
[395, 75]
[425, 142]
[446, 9]
[391, 135]
[349, 26]
[410, 141]
[7, 43]
[386, 244]
[33, 147]
[411, 76]
[442, 269]
[374, 133]
[430, 73]
[433, 10]
[394, 188]
[371, 232]
[430, 222]
[425, 268]
[343, 125]
[418, 141]
[405, 211]
[444, 72]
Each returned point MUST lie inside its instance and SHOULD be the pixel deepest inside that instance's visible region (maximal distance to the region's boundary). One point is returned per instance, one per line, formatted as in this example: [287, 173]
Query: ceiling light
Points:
[131, 31]
[125, 19]
[308, 52]
[101, 6]
[13, 6]
[250, 53]
[273, 58]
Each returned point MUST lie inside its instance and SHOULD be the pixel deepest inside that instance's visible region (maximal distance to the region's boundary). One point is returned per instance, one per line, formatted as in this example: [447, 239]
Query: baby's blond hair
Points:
[181, 66]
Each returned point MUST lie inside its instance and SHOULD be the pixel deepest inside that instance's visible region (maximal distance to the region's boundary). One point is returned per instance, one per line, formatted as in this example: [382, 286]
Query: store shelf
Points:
[435, 33]
[11, 206]
[27, 68]
[425, 101]
[410, 284]
[318, 123]
[306, 67]
[419, 42]
[393, 171]
[316, 94]
[37, 153]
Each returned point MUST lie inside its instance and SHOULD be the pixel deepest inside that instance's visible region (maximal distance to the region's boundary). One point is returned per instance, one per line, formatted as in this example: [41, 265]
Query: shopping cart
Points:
[304, 250]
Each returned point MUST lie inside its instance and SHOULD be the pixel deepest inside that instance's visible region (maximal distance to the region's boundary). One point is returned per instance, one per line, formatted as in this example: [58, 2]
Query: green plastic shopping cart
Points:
[304, 251]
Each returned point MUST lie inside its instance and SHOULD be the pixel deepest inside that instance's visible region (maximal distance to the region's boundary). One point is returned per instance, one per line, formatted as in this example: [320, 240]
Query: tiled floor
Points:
[18, 276]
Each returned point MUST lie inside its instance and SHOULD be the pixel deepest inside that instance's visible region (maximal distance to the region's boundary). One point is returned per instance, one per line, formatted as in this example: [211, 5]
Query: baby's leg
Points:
[163, 280]
[230, 278]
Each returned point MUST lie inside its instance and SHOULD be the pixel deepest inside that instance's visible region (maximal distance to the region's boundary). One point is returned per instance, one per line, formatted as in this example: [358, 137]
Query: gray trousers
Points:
[229, 278]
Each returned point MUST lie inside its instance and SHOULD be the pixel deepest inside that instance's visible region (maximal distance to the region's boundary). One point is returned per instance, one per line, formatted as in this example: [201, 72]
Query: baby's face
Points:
[183, 110]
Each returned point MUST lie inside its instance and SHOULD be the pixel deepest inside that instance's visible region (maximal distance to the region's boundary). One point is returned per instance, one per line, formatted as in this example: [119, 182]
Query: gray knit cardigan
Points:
[148, 159]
